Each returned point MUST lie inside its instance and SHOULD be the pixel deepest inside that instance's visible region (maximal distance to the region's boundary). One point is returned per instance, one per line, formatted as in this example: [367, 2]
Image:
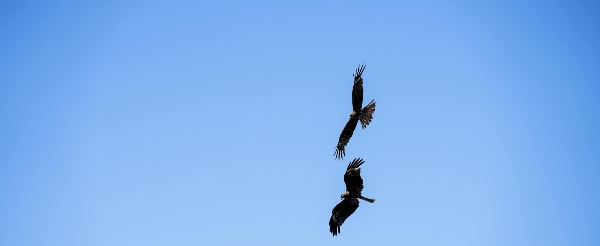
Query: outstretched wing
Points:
[340, 213]
[340, 149]
[352, 178]
[357, 89]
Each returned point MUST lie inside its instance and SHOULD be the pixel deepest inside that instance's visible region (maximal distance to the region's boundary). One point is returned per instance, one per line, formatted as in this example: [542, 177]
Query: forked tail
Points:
[367, 114]
[367, 199]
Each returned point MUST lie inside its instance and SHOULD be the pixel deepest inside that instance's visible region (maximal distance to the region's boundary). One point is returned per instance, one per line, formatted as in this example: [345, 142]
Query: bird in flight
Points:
[349, 203]
[364, 115]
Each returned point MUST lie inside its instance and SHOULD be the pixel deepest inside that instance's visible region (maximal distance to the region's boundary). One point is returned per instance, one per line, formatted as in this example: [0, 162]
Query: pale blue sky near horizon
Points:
[214, 123]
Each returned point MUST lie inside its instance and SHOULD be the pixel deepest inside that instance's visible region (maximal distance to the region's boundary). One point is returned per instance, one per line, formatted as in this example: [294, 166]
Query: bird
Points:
[349, 203]
[364, 115]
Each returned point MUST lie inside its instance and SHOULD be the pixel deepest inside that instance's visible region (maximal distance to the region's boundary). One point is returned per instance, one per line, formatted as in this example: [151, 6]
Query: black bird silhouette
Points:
[349, 203]
[364, 115]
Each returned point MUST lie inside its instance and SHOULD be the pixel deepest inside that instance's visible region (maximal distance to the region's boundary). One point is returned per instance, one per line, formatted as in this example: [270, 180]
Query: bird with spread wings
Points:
[349, 203]
[364, 115]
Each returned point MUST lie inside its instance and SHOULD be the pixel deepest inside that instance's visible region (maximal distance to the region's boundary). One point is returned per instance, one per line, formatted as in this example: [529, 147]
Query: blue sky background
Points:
[214, 123]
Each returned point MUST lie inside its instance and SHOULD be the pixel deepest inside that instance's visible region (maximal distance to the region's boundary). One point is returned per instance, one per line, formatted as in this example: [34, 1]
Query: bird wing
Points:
[357, 89]
[340, 149]
[352, 178]
[340, 213]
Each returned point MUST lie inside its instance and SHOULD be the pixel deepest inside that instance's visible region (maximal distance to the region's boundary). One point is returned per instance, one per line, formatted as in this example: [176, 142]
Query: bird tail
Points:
[367, 114]
[367, 199]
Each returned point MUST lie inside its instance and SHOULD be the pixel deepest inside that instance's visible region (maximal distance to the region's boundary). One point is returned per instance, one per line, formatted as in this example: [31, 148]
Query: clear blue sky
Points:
[198, 123]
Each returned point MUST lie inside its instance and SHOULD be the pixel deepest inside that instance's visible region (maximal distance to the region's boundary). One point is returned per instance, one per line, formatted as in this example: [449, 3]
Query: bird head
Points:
[352, 114]
[344, 195]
